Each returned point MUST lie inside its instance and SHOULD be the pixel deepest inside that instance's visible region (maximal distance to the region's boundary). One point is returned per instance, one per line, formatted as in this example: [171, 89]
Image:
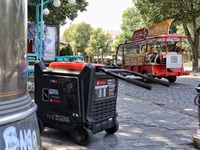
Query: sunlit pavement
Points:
[151, 126]
[143, 126]
[164, 118]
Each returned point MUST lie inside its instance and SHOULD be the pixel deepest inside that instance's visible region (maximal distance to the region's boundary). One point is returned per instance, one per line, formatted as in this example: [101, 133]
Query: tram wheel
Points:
[145, 74]
[172, 79]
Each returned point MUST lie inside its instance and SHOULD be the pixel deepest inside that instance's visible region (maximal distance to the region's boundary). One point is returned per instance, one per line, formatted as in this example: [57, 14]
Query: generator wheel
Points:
[113, 129]
[83, 135]
[41, 125]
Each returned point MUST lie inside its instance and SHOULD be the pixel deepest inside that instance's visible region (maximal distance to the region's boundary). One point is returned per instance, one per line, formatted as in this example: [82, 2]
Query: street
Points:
[164, 118]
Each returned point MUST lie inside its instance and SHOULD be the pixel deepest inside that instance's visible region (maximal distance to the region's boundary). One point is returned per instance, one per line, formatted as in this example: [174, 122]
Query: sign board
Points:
[174, 61]
[51, 43]
[160, 28]
[140, 34]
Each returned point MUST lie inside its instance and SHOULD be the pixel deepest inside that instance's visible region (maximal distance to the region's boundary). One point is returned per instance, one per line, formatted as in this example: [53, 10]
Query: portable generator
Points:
[78, 98]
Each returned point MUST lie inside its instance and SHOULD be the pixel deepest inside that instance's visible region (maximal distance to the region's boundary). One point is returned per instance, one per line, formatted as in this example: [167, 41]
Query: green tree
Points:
[99, 40]
[67, 50]
[184, 12]
[78, 36]
[122, 38]
[82, 37]
[58, 15]
[69, 33]
[131, 21]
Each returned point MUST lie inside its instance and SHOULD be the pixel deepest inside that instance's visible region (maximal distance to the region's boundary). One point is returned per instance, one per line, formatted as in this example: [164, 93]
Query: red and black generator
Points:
[81, 101]
[78, 98]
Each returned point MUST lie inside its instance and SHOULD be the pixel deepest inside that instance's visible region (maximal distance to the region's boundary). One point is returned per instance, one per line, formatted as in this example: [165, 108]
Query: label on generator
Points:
[53, 91]
[111, 81]
[101, 91]
[105, 88]
[59, 118]
[111, 90]
[50, 95]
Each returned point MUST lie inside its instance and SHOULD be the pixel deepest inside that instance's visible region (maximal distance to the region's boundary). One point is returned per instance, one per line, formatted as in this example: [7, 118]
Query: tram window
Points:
[170, 47]
[130, 51]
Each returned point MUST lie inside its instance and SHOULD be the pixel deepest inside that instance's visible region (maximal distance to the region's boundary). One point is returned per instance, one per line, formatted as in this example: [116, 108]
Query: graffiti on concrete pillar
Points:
[27, 139]
[10, 138]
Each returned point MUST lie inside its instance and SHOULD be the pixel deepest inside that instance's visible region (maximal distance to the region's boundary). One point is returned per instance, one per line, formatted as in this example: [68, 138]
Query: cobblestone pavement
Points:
[179, 96]
[164, 118]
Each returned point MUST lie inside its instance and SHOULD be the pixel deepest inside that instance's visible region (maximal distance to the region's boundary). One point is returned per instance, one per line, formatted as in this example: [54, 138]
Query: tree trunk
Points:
[195, 59]
[196, 51]
[98, 60]
[194, 45]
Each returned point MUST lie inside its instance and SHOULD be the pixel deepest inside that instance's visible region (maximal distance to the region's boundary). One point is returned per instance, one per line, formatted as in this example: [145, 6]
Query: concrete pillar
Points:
[18, 121]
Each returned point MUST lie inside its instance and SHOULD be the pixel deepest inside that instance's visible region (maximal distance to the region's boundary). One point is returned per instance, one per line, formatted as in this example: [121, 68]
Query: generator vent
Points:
[104, 109]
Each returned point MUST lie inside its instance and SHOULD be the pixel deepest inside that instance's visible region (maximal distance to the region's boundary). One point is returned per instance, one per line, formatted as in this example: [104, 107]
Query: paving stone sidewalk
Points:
[143, 126]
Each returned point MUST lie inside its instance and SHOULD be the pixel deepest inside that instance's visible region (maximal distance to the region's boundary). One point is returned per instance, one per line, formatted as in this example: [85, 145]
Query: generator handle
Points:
[141, 75]
[133, 81]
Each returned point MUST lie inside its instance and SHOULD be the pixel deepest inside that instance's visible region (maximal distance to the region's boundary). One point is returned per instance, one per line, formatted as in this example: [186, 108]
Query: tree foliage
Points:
[60, 14]
[82, 37]
[99, 40]
[122, 38]
[86, 40]
[67, 50]
[131, 21]
[69, 33]
[184, 12]
[78, 35]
